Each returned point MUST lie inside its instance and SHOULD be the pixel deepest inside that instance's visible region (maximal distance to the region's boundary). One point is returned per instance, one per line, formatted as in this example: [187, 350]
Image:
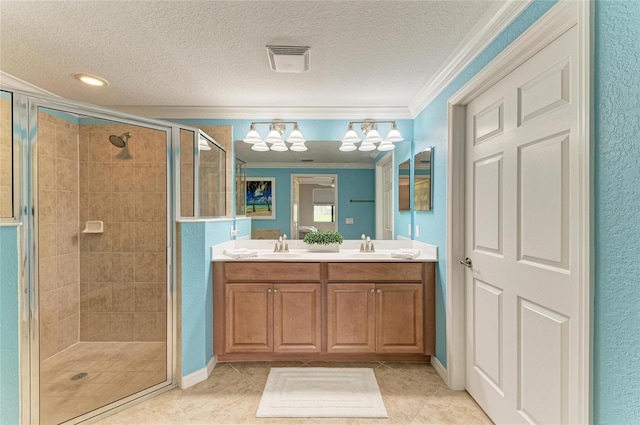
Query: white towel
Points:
[405, 253]
[240, 253]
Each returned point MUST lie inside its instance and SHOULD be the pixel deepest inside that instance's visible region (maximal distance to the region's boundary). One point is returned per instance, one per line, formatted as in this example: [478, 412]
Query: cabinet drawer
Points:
[374, 272]
[277, 272]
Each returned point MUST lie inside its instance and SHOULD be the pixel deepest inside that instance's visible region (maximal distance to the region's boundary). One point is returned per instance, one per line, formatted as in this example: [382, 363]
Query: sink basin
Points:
[279, 255]
[369, 255]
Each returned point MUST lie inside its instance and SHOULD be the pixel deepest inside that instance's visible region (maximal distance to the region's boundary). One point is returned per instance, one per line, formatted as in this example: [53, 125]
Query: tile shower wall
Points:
[123, 270]
[58, 184]
[187, 140]
[5, 157]
[210, 189]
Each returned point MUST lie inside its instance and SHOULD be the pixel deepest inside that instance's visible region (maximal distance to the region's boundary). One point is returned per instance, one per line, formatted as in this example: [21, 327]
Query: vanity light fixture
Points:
[92, 80]
[370, 130]
[274, 140]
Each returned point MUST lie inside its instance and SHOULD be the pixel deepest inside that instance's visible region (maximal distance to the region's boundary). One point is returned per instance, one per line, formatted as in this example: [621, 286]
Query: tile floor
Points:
[114, 370]
[413, 394]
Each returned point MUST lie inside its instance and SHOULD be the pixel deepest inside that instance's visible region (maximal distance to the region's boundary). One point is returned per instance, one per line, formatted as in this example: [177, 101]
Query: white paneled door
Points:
[522, 286]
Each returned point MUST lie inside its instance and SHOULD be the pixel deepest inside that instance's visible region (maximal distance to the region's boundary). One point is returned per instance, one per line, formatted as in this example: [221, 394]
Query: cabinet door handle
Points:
[275, 290]
[269, 290]
[373, 290]
[379, 291]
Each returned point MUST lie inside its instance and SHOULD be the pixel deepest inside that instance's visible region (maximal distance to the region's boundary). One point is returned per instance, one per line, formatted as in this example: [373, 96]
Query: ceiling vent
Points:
[289, 58]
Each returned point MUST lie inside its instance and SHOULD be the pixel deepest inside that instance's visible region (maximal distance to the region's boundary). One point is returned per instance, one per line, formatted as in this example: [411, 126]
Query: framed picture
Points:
[261, 196]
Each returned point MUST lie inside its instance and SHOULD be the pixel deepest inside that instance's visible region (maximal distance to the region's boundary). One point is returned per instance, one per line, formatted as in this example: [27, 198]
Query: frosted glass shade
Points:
[296, 137]
[386, 145]
[252, 137]
[260, 147]
[279, 146]
[394, 135]
[347, 147]
[273, 137]
[373, 136]
[351, 136]
[203, 145]
[298, 147]
[367, 146]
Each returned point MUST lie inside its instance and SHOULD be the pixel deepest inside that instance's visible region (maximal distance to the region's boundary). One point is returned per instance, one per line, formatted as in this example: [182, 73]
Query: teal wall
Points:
[196, 239]
[352, 184]
[9, 325]
[616, 356]
[430, 129]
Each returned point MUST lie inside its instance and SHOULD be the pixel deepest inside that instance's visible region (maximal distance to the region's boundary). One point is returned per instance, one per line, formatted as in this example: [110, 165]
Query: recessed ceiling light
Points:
[92, 80]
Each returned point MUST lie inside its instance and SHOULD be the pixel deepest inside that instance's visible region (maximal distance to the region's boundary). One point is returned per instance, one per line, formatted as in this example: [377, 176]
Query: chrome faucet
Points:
[366, 245]
[281, 245]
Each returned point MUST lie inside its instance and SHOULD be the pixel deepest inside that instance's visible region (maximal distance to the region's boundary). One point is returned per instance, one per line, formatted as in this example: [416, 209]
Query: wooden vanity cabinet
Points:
[324, 311]
[269, 317]
[375, 317]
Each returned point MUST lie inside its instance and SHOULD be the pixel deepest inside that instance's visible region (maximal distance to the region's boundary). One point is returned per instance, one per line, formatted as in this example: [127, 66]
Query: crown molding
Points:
[306, 165]
[10, 81]
[492, 23]
[255, 112]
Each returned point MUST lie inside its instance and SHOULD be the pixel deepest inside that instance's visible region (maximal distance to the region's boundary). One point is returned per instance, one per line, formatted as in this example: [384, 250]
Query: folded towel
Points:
[405, 253]
[240, 253]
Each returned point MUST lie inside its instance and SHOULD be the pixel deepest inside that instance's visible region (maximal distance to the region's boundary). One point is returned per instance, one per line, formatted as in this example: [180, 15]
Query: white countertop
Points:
[349, 251]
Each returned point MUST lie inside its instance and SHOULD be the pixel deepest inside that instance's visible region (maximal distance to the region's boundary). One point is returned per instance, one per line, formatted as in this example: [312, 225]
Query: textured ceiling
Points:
[212, 53]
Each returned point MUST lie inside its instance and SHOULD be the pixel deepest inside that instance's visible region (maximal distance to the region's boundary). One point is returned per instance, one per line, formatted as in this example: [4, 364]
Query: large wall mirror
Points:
[422, 166]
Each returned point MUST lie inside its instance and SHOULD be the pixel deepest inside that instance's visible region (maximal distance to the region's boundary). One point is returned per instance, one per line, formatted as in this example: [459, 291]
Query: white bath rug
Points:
[320, 392]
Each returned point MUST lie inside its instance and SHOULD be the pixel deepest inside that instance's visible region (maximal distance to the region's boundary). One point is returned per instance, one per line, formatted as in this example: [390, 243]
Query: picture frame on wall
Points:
[261, 195]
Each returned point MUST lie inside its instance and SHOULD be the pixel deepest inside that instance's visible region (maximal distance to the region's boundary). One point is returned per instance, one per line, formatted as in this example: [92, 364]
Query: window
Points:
[324, 206]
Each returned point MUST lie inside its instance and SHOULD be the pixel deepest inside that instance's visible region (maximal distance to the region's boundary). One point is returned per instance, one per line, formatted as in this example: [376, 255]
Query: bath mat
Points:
[321, 392]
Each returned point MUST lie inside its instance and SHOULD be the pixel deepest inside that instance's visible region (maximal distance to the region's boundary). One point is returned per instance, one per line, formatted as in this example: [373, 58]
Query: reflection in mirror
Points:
[213, 175]
[187, 142]
[241, 187]
[422, 175]
[403, 186]
[6, 162]
[314, 204]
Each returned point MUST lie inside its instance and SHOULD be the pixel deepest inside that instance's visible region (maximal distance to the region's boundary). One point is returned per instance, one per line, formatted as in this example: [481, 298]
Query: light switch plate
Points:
[348, 220]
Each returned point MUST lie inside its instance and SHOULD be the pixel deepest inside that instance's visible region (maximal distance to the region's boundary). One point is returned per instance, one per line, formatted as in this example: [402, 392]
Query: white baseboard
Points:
[199, 375]
[442, 371]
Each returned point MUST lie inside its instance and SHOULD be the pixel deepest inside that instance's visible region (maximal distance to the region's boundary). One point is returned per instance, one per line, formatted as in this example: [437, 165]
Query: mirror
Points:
[355, 207]
[212, 181]
[422, 174]
[421, 182]
[404, 199]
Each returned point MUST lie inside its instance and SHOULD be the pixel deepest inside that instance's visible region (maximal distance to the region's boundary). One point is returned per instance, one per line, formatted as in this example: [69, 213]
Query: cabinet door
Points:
[297, 318]
[248, 318]
[399, 318]
[350, 318]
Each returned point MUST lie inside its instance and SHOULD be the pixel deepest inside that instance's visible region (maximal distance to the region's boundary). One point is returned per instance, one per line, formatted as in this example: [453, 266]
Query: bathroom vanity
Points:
[327, 307]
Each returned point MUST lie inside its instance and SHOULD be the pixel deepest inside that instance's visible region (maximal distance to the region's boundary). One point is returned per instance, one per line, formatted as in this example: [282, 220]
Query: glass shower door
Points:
[101, 220]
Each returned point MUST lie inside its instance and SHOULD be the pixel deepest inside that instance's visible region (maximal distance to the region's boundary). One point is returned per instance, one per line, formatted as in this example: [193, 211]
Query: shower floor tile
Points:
[113, 370]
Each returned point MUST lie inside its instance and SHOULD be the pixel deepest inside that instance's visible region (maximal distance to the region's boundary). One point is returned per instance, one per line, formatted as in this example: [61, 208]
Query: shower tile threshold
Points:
[89, 375]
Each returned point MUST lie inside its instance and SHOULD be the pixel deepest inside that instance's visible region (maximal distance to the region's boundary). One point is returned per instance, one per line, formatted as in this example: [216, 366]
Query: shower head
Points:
[120, 141]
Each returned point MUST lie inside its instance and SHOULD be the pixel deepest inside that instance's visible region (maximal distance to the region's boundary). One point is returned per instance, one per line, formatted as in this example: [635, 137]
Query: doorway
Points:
[314, 205]
[518, 219]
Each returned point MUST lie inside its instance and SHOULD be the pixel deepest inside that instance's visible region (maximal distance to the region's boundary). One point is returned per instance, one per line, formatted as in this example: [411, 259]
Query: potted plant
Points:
[323, 241]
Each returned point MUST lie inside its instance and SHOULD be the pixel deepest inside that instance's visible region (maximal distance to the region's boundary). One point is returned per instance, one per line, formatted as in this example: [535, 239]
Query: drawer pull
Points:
[269, 290]
[373, 290]
[379, 291]
[275, 290]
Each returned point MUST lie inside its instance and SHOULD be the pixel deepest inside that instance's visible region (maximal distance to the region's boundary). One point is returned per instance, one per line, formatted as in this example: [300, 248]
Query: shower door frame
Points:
[27, 119]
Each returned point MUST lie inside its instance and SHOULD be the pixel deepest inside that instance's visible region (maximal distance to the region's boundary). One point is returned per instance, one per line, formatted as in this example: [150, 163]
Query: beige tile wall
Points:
[58, 184]
[187, 140]
[223, 134]
[5, 158]
[123, 270]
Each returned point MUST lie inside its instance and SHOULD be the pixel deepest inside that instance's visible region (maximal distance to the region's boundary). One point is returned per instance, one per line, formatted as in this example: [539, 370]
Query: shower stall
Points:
[97, 198]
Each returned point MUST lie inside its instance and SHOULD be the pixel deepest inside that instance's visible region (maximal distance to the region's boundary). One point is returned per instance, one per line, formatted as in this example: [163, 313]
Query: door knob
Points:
[467, 262]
